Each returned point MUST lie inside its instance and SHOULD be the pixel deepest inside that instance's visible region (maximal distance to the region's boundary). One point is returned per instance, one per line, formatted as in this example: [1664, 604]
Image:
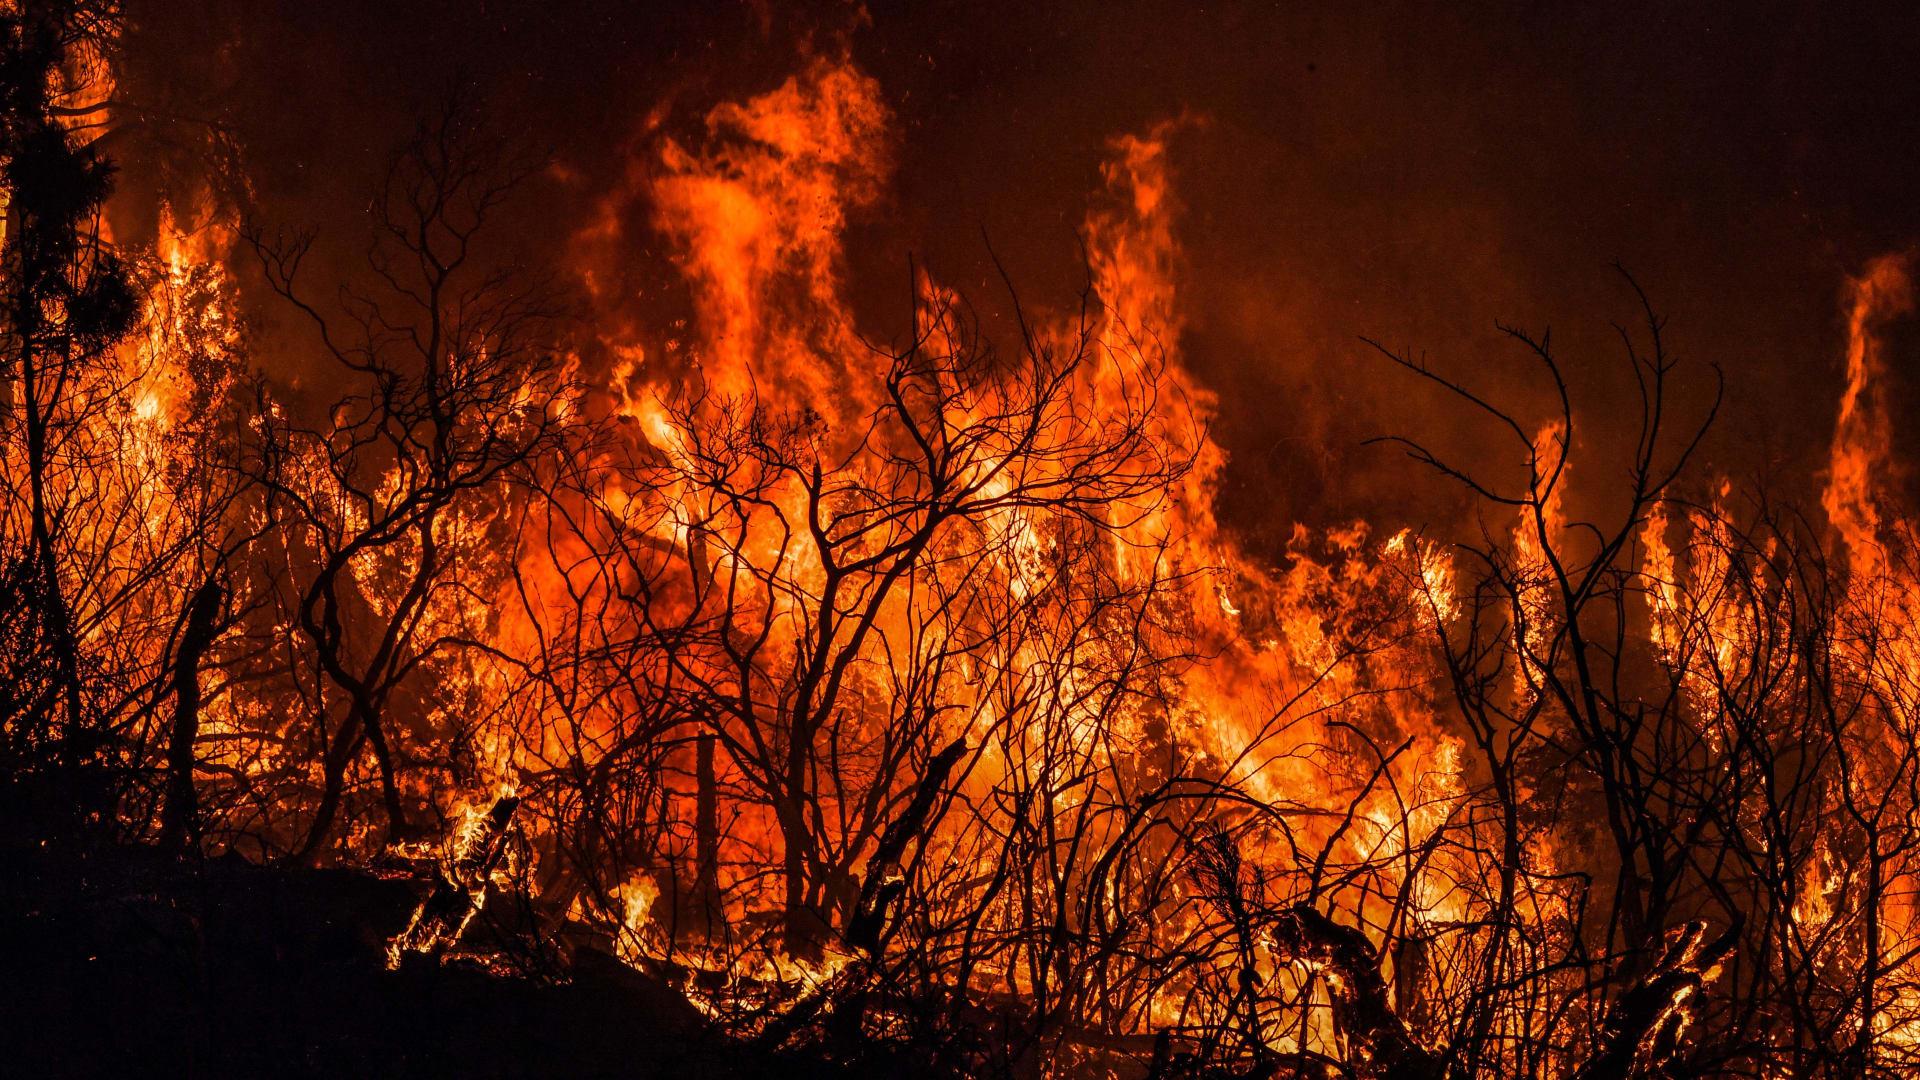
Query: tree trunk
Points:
[180, 818]
[706, 818]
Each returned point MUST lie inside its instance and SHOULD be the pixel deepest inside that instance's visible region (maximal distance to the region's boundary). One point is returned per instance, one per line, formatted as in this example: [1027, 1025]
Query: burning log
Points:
[846, 998]
[459, 885]
[1345, 958]
[1644, 1026]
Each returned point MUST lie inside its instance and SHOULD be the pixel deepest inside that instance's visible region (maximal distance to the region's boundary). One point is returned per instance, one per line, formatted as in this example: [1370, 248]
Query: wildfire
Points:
[794, 668]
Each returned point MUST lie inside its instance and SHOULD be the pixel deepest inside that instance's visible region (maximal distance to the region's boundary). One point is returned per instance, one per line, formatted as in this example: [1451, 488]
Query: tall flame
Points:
[1862, 459]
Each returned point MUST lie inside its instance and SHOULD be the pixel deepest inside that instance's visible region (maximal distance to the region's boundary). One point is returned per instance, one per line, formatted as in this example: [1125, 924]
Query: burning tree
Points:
[114, 513]
[380, 515]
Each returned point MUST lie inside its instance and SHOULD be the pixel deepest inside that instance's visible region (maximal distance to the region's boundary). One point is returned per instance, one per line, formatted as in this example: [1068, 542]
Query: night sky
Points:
[1411, 174]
